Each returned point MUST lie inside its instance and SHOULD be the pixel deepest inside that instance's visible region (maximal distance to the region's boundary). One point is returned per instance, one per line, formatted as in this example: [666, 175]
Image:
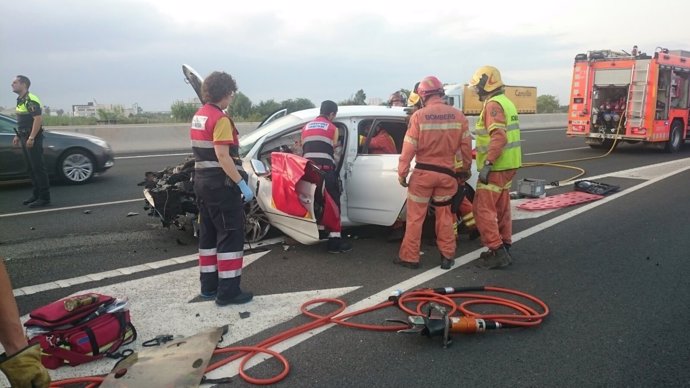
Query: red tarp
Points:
[286, 171]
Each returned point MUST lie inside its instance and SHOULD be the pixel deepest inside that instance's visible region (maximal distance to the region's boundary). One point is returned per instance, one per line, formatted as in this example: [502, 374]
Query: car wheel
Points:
[76, 166]
[256, 225]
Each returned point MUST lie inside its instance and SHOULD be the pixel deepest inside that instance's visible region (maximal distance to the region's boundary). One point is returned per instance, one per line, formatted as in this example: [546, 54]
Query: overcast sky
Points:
[131, 51]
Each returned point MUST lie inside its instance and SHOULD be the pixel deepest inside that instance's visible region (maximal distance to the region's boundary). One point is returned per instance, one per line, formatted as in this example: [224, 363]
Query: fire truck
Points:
[632, 97]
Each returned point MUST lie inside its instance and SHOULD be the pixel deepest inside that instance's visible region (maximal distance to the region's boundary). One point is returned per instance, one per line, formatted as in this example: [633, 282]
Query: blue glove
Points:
[246, 191]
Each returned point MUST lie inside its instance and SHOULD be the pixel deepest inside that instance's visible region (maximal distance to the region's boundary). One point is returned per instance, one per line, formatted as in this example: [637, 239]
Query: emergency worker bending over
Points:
[437, 134]
[219, 185]
[319, 143]
[498, 157]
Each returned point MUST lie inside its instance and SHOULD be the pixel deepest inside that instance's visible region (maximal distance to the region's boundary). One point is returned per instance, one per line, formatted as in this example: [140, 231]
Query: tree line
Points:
[242, 109]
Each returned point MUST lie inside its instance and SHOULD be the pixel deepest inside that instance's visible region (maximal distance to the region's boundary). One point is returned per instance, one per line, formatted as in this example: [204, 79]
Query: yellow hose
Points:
[582, 171]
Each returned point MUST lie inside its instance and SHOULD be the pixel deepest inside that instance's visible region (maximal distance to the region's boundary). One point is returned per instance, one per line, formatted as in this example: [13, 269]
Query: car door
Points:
[12, 160]
[301, 227]
[374, 195]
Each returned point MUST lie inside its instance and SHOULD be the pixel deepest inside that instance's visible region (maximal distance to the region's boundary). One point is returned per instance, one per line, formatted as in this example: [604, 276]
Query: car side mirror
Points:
[259, 167]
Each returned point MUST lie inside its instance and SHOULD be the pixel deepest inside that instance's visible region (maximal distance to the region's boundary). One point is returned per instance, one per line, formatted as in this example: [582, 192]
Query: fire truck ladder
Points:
[637, 92]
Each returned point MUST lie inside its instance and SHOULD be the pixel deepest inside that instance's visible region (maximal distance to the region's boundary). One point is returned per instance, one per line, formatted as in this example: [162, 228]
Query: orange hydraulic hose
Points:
[526, 316]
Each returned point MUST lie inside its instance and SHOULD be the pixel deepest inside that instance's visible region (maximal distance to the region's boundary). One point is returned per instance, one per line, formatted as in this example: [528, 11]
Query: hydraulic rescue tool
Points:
[434, 315]
[442, 325]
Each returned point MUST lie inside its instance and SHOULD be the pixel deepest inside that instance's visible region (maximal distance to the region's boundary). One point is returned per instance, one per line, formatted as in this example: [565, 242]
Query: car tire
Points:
[76, 166]
[256, 224]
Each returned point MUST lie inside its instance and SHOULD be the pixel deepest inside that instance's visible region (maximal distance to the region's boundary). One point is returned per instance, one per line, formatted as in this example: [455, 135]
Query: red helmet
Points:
[428, 86]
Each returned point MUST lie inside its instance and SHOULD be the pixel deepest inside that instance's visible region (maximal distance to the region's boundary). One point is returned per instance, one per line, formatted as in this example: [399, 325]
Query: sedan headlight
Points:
[99, 142]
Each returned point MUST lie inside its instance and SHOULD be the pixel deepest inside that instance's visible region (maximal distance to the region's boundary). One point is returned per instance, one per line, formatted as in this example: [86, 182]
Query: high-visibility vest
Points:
[511, 156]
[25, 118]
[318, 142]
[201, 134]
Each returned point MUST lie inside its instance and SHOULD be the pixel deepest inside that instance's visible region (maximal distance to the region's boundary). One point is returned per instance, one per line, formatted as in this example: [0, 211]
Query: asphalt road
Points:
[614, 277]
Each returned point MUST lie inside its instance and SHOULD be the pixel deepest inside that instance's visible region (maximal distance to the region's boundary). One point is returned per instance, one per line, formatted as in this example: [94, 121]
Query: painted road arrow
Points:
[161, 305]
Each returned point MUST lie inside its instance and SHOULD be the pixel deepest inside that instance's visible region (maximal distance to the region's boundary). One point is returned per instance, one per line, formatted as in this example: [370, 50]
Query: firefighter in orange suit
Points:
[219, 185]
[382, 143]
[498, 157]
[436, 135]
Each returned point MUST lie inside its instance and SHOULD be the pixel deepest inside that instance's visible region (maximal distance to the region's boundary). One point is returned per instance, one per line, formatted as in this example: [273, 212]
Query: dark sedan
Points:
[71, 157]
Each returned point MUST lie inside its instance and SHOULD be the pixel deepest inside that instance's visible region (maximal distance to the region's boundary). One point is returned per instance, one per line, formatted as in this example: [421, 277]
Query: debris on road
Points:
[130, 214]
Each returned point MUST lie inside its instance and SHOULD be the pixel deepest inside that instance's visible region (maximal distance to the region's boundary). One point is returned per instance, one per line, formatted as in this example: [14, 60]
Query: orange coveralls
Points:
[492, 209]
[436, 134]
[382, 143]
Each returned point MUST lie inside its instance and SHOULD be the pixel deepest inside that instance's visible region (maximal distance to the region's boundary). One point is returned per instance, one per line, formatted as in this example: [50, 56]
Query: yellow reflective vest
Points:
[25, 112]
[511, 156]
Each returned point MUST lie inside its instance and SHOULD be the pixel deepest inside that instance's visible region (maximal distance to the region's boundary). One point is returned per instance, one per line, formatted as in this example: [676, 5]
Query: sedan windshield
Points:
[247, 141]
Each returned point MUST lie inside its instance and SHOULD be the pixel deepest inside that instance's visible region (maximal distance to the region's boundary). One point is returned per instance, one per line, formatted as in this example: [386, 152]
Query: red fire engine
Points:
[630, 97]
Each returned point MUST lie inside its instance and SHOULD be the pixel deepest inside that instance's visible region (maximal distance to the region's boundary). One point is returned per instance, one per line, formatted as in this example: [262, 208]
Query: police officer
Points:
[319, 143]
[30, 135]
[219, 185]
[498, 157]
[436, 136]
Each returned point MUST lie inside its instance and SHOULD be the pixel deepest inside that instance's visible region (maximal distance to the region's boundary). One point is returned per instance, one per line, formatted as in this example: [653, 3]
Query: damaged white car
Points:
[371, 193]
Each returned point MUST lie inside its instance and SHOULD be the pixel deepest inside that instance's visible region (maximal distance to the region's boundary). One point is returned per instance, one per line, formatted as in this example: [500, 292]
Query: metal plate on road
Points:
[179, 363]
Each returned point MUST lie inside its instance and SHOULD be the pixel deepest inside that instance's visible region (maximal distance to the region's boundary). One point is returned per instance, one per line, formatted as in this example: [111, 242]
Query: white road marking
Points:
[553, 151]
[646, 172]
[70, 207]
[542, 130]
[63, 283]
[151, 156]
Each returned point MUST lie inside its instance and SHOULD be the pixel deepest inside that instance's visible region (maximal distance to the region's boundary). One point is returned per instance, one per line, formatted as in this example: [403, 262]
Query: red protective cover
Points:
[286, 171]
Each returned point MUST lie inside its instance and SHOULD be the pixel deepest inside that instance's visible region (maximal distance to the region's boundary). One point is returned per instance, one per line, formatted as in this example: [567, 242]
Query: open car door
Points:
[292, 197]
[374, 195]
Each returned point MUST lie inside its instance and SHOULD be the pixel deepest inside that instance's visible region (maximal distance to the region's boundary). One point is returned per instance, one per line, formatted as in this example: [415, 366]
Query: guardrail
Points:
[159, 137]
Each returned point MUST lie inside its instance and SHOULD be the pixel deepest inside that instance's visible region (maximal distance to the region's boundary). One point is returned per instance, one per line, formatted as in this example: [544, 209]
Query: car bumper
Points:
[105, 161]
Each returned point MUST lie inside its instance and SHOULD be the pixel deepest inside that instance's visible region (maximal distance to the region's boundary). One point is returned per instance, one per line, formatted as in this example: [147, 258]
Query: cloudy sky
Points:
[131, 51]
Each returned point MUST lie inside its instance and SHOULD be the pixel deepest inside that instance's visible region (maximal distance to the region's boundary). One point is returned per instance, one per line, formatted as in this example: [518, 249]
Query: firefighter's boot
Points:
[494, 258]
[447, 263]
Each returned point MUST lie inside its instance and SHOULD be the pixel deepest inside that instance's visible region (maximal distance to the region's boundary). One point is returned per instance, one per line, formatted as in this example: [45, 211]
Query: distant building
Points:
[375, 101]
[91, 109]
[88, 110]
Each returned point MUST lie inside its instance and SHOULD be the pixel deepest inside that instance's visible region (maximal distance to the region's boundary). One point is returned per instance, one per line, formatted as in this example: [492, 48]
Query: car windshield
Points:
[247, 141]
